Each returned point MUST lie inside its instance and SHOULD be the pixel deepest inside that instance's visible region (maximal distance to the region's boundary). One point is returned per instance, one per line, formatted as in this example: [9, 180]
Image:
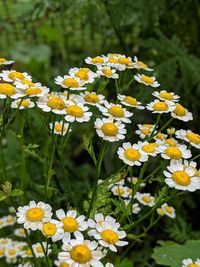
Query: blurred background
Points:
[46, 37]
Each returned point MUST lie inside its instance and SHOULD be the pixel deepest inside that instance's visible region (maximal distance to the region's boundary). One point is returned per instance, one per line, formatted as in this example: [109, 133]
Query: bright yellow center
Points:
[116, 111]
[132, 154]
[96, 60]
[112, 60]
[130, 100]
[1, 222]
[2, 60]
[2, 251]
[142, 64]
[59, 128]
[146, 199]
[160, 106]
[70, 82]
[168, 209]
[193, 265]
[4, 241]
[33, 91]
[145, 131]
[24, 103]
[181, 178]
[194, 138]
[28, 252]
[109, 236]
[7, 89]
[173, 152]
[49, 229]
[40, 249]
[92, 98]
[10, 219]
[16, 75]
[147, 79]
[82, 74]
[75, 111]
[119, 191]
[147, 125]
[107, 71]
[170, 142]
[124, 61]
[27, 82]
[109, 129]
[149, 148]
[160, 136]
[70, 224]
[56, 103]
[81, 254]
[165, 95]
[21, 231]
[179, 110]
[64, 264]
[35, 214]
[12, 252]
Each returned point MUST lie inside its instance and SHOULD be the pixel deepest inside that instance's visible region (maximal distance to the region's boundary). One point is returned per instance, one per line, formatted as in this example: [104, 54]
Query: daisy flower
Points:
[149, 148]
[9, 220]
[167, 142]
[83, 74]
[147, 80]
[144, 130]
[124, 63]
[60, 128]
[135, 206]
[91, 98]
[189, 136]
[145, 198]
[167, 210]
[181, 177]
[129, 101]
[109, 130]
[61, 263]
[11, 253]
[160, 137]
[95, 60]
[160, 106]
[166, 96]
[70, 82]
[171, 131]
[174, 152]
[41, 250]
[34, 215]
[53, 104]
[190, 263]
[8, 90]
[134, 181]
[81, 253]
[2, 222]
[20, 232]
[116, 112]
[53, 229]
[131, 154]
[4, 61]
[72, 224]
[99, 219]
[13, 75]
[141, 65]
[120, 191]
[4, 242]
[107, 72]
[31, 89]
[77, 112]
[108, 235]
[22, 104]
[181, 113]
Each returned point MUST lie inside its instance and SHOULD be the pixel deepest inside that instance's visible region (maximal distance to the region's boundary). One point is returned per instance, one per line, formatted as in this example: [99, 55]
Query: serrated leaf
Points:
[16, 193]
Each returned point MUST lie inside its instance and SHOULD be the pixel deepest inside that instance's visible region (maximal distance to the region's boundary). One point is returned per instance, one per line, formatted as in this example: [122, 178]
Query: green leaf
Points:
[16, 193]
[2, 195]
[89, 147]
[172, 254]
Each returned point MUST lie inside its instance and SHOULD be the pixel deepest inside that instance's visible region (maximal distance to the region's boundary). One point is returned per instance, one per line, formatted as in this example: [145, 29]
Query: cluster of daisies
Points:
[81, 242]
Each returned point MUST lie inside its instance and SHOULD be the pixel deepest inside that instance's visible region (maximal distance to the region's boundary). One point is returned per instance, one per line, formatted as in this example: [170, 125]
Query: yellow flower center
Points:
[147, 125]
[64, 264]
[12, 252]
[28, 252]
[92, 98]
[1, 222]
[193, 265]
[2, 251]
[81, 254]
[130, 100]
[170, 142]
[59, 128]
[56, 103]
[24, 103]
[146, 199]
[116, 111]
[160, 136]
[142, 64]
[82, 74]
[10, 219]
[149, 148]
[2, 60]
[21, 231]
[49, 229]
[173, 152]
[107, 71]
[109, 129]
[70, 224]
[165, 95]
[147, 79]
[27, 82]
[70, 82]
[119, 191]
[194, 138]
[7, 89]
[160, 106]
[112, 60]
[75, 111]
[179, 110]
[35, 214]
[96, 60]
[124, 61]
[33, 91]
[16, 75]
[40, 249]
[4, 241]
[145, 131]
[160, 212]
[109, 236]
[168, 209]
[132, 154]
[181, 178]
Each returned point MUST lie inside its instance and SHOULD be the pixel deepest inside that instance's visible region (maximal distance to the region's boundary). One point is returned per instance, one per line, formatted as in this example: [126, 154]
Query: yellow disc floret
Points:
[179, 110]
[56, 103]
[142, 65]
[146, 199]
[109, 129]
[70, 224]
[14, 75]
[75, 111]
[160, 106]
[91, 98]
[81, 254]
[130, 100]
[109, 236]
[70, 82]
[146, 131]
[97, 60]
[33, 91]
[169, 209]
[166, 95]
[124, 61]
[49, 229]
[132, 154]
[64, 264]
[35, 214]
[24, 103]
[173, 152]
[82, 74]
[107, 71]
[194, 138]
[116, 111]
[2, 60]
[147, 79]
[119, 191]
[40, 249]
[149, 148]
[7, 89]
[181, 178]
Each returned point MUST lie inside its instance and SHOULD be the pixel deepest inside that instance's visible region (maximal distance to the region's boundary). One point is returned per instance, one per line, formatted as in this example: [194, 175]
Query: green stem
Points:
[22, 154]
[154, 129]
[163, 127]
[2, 161]
[196, 157]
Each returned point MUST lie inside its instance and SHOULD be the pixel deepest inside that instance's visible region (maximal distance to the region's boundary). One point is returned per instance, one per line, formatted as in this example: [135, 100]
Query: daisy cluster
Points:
[81, 242]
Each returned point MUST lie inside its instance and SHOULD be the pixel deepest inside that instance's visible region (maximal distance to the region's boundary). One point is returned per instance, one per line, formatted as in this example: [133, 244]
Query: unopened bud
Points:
[7, 187]
[171, 131]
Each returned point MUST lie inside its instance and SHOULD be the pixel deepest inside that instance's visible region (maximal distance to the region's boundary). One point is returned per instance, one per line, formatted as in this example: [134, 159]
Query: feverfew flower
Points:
[167, 210]
[120, 191]
[60, 128]
[149, 148]
[77, 112]
[91, 98]
[41, 250]
[174, 152]
[13, 75]
[189, 136]
[131, 154]
[166, 96]
[190, 263]
[95, 60]
[4, 61]
[22, 104]
[83, 74]
[70, 82]
[129, 101]
[53, 229]
[160, 106]
[181, 177]
[34, 215]
[107, 72]
[109, 130]
[145, 198]
[9, 220]
[147, 80]
[181, 113]
[141, 65]
[52, 103]
[20, 232]
[144, 130]
[8, 90]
